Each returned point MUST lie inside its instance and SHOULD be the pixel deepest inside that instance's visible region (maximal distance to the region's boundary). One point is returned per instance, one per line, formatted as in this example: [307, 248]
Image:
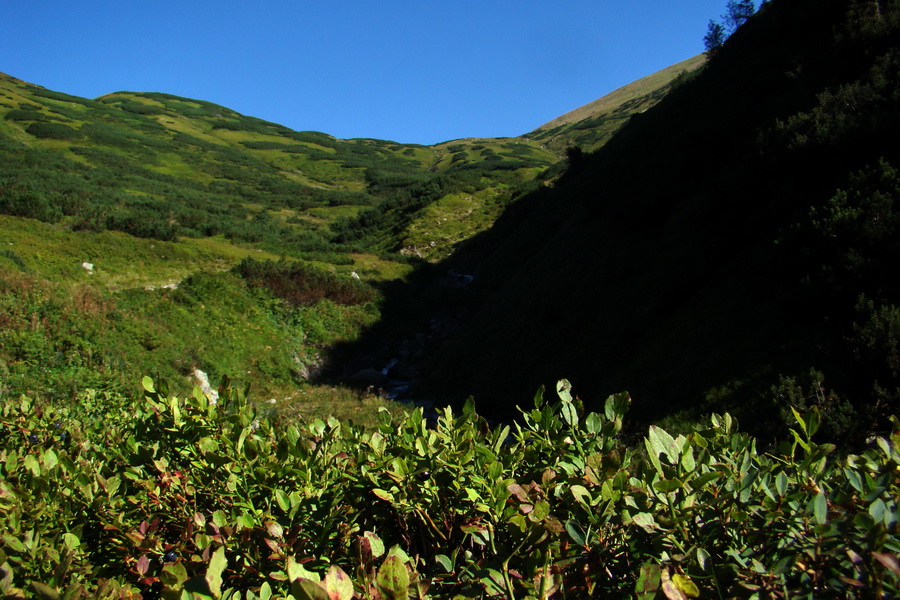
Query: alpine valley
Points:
[243, 361]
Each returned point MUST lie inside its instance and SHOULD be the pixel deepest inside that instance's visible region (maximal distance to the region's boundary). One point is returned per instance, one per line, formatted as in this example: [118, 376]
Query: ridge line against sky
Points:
[412, 72]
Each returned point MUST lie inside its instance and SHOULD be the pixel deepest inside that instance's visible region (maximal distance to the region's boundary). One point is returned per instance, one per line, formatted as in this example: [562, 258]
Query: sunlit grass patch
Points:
[311, 402]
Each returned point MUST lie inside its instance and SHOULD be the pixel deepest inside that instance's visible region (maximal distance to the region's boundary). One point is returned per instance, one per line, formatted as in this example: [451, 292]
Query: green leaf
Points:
[14, 543]
[444, 561]
[31, 463]
[569, 413]
[112, 485]
[616, 406]
[701, 480]
[687, 587]
[392, 579]
[173, 575]
[654, 456]
[541, 511]
[71, 541]
[575, 532]
[148, 384]
[50, 459]
[877, 509]
[662, 442]
[247, 520]
[581, 494]
[799, 420]
[563, 388]
[668, 485]
[265, 591]
[813, 418]
[337, 584]
[687, 459]
[648, 581]
[820, 508]
[297, 571]
[781, 482]
[43, 591]
[645, 521]
[799, 440]
[217, 564]
[383, 494]
[306, 589]
[242, 439]
[593, 423]
[539, 397]
[397, 551]
[703, 559]
[375, 543]
[284, 502]
[207, 445]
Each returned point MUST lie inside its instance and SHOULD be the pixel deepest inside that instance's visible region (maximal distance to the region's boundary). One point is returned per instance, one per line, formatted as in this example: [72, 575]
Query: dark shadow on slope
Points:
[674, 262]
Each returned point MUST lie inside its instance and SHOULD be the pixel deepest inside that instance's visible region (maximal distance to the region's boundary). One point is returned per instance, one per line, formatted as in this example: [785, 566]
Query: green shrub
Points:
[61, 97]
[56, 131]
[226, 500]
[139, 108]
[24, 115]
[301, 285]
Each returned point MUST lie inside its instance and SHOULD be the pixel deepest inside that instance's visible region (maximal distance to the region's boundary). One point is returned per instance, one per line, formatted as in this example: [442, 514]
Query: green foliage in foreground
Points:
[187, 498]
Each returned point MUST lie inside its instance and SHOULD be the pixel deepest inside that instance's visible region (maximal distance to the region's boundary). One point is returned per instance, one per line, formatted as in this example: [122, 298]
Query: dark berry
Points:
[57, 424]
[63, 435]
[170, 556]
[33, 438]
[423, 475]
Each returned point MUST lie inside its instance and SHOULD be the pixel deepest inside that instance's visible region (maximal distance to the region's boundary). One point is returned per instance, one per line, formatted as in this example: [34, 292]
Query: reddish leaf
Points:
[889, 561]
[143, 565]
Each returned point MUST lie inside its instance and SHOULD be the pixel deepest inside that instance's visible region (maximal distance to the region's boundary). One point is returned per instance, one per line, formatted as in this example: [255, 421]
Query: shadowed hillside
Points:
[718, 248]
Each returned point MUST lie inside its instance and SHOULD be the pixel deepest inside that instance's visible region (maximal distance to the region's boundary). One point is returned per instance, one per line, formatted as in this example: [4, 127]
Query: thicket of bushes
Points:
[222, 499]
[301, 285]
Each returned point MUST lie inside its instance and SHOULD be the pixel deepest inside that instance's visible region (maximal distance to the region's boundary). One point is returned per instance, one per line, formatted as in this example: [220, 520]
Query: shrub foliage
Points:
[188, 497]
[302, 285]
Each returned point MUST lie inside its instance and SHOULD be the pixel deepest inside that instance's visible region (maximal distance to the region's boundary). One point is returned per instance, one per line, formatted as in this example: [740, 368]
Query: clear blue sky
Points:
[410, 71]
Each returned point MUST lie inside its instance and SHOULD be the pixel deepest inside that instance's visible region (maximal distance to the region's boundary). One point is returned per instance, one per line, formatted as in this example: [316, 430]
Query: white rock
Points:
[203, 380]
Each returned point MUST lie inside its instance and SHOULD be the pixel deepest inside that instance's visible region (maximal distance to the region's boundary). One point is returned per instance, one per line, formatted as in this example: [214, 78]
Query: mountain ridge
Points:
[639, 87]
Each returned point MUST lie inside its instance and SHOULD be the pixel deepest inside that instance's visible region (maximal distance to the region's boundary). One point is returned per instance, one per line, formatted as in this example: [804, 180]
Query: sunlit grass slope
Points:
[592, 125]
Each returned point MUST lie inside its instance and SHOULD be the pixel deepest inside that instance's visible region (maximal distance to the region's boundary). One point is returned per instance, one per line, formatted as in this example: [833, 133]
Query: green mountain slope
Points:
[166, 198]
[161, 166]
[732, 238]
[199, 188]
[592, 125]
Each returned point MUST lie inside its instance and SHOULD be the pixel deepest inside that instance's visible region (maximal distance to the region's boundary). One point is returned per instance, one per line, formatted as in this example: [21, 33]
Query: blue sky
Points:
[413, 72]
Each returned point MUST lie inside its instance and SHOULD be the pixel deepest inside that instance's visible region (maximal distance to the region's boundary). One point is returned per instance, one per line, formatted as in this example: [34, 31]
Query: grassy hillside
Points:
[166, 196]
[160, 166]
[592, 125]
[150, 306]
[733, 246]
[163, 194]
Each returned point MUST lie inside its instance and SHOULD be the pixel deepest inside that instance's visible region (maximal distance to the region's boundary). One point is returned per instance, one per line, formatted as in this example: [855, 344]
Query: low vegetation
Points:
[188, 497]
[728, 254]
